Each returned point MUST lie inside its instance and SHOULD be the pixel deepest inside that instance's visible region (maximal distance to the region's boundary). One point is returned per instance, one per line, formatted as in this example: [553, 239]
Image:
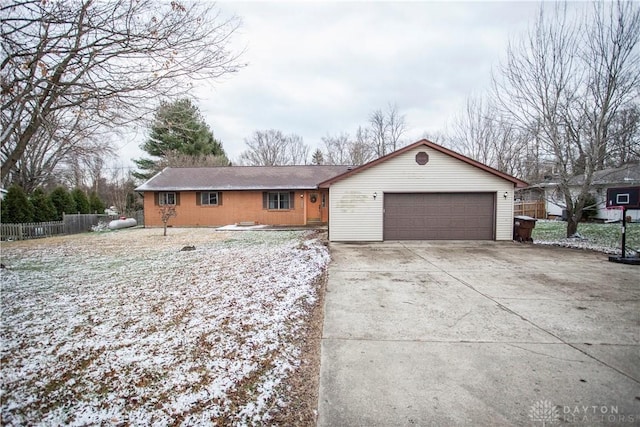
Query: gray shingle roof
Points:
[628, 174]
[242, 178]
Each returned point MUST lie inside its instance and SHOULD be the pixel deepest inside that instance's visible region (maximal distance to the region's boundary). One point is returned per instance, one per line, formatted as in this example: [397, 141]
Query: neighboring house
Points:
[420, 192]
[624, 176]
[273, 195]
[3, 192]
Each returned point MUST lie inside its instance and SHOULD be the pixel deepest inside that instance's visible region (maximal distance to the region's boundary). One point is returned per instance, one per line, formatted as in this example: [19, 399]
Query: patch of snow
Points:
[122, 328]
[101, 226]
[585, 244]
[236, 227]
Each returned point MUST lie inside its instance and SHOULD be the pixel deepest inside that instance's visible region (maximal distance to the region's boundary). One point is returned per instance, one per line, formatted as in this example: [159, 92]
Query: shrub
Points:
[16, 207]
[80, 201]
[43, 208]
[590, 207]
[62, 201]
[97, 206]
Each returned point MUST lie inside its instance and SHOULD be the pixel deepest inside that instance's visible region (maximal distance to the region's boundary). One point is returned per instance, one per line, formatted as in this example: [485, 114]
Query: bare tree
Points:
[60, 147]
[378, 128]
[120, 192]
[166, 213]
[396, 127]
[612, 63]
[360, 149]
[337, 149]
[566, 83]
[625, 137]
[176, 159]
[439, 137]
[382, 135]
[386, 128]
[274, 148]
[480, 133]
[95, 166]
[341, 149]
[473, 131]
[297, 150]
[107, 60]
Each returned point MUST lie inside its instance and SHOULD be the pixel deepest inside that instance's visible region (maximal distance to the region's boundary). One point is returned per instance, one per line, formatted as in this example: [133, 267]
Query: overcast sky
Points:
[318, 68]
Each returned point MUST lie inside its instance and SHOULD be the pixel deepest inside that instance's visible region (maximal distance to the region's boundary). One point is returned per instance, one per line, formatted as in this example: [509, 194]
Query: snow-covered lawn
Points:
[123, 328]
[593, 236]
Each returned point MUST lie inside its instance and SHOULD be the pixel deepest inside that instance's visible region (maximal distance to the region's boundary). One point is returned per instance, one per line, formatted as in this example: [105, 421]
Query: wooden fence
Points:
[70, 224]
[81, 223]
[32, 230]
[535, 209]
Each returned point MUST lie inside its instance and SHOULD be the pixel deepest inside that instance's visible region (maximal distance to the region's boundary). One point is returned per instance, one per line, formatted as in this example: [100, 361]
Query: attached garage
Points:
[439, 216]
[421, 192]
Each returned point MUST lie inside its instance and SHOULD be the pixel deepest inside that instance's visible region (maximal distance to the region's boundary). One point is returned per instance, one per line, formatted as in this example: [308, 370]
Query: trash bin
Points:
[522, 226]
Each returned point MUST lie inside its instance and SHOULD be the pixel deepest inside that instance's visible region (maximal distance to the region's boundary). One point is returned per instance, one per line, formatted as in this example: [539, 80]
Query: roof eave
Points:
[252, 188]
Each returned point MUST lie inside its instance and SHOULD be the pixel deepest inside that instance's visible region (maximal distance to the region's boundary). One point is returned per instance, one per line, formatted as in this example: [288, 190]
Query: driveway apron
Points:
[478, 333]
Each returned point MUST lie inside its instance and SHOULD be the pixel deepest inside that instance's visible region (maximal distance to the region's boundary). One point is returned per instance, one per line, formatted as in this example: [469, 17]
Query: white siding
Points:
[355, 216]
[555, 205]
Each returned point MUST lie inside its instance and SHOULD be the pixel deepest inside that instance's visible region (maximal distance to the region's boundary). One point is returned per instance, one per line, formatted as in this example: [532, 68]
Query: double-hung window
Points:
[209, 198]
[166, 199]
[277, 200]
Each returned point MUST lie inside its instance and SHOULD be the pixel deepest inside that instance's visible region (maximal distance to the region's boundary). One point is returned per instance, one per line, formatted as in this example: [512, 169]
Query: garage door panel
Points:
[439, 216]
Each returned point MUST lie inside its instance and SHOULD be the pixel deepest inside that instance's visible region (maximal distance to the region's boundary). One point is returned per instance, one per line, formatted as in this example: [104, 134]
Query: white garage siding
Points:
[356, 216]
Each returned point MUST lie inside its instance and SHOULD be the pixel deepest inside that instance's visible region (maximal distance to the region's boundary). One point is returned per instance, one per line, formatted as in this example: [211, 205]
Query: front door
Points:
[314, 207]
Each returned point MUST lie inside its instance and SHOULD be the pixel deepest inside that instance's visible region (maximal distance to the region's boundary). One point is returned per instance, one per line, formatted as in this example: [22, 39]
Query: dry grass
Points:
[123, 327]
[303, 387]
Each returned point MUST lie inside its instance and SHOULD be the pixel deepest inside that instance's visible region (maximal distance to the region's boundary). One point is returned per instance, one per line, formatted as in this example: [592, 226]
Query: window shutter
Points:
[177, 198]
[292, 198]
[198, 198]
[156, 198]
[265, 200]
[219, 198]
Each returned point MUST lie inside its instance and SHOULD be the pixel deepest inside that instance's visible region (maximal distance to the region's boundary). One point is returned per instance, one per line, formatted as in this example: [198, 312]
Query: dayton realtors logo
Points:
[596, 414]
[547, 413]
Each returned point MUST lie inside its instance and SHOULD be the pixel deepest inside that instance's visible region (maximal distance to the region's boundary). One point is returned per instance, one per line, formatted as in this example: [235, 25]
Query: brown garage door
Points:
[439, 216]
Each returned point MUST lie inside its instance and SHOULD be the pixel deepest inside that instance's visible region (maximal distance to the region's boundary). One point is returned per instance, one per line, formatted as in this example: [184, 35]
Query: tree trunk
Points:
[574, 215]
[165, 229]
[572, 225]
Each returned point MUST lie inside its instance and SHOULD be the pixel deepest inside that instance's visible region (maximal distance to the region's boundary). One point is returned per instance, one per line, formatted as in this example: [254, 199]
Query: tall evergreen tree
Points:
[97, 206]
[80, 201]
[317, 158]
[178, 128]
[43, 209]
[62, 201]
[16, 207]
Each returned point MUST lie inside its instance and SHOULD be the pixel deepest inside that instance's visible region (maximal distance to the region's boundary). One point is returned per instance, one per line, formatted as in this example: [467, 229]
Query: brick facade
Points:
[237, 207]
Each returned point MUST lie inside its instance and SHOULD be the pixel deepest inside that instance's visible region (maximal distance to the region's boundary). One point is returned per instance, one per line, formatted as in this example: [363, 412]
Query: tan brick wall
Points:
[237, 206]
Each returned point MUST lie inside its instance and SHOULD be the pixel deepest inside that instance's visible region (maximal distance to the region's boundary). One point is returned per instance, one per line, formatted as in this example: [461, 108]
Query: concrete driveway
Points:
[488, 333]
